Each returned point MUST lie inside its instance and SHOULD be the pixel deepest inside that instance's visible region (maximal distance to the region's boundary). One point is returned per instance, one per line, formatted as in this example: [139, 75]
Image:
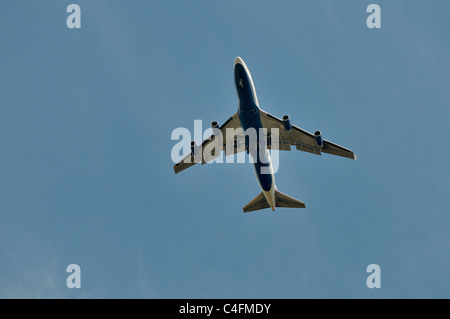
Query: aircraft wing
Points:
[207, 150]
[301, 139]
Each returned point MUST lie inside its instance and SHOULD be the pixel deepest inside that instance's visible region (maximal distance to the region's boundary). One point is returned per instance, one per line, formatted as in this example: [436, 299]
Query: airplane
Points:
[250, 115]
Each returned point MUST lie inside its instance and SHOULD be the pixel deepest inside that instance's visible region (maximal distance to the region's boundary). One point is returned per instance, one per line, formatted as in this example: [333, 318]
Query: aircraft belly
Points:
[265, 180]
[250, 118]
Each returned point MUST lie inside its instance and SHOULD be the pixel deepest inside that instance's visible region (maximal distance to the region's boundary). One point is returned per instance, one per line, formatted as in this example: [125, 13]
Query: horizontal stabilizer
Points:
[259, 202]
[281, 200]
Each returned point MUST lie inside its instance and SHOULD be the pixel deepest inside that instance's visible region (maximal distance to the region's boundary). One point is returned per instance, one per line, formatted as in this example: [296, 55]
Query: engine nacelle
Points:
[194, 148]
[215, 124]
[287, 122]
[318, 138]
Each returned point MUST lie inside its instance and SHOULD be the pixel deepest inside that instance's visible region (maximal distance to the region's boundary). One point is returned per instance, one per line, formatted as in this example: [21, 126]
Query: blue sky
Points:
[86, 175]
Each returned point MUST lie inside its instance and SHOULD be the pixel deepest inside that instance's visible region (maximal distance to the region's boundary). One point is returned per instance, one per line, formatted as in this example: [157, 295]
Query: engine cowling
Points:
[287, 122]
[318, 138]
[194, 148]
[215, 124]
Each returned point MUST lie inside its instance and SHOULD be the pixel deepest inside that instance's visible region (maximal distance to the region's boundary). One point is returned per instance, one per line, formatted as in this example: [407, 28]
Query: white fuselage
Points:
[250, 118]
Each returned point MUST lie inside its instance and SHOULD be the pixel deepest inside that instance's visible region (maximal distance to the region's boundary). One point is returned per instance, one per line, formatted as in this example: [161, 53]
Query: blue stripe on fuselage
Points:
[249, 117]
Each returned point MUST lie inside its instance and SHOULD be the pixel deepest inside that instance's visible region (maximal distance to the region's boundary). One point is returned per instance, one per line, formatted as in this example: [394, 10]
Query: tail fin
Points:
[281, 200]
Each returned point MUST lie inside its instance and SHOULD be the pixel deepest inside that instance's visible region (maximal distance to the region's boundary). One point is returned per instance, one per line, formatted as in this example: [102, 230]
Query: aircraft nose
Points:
[238, 60]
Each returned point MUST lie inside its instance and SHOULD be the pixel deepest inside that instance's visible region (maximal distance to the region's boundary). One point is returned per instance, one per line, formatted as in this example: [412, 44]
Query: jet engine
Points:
[318, 138]
[287, 122]
[194, 147]
[215, 124]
